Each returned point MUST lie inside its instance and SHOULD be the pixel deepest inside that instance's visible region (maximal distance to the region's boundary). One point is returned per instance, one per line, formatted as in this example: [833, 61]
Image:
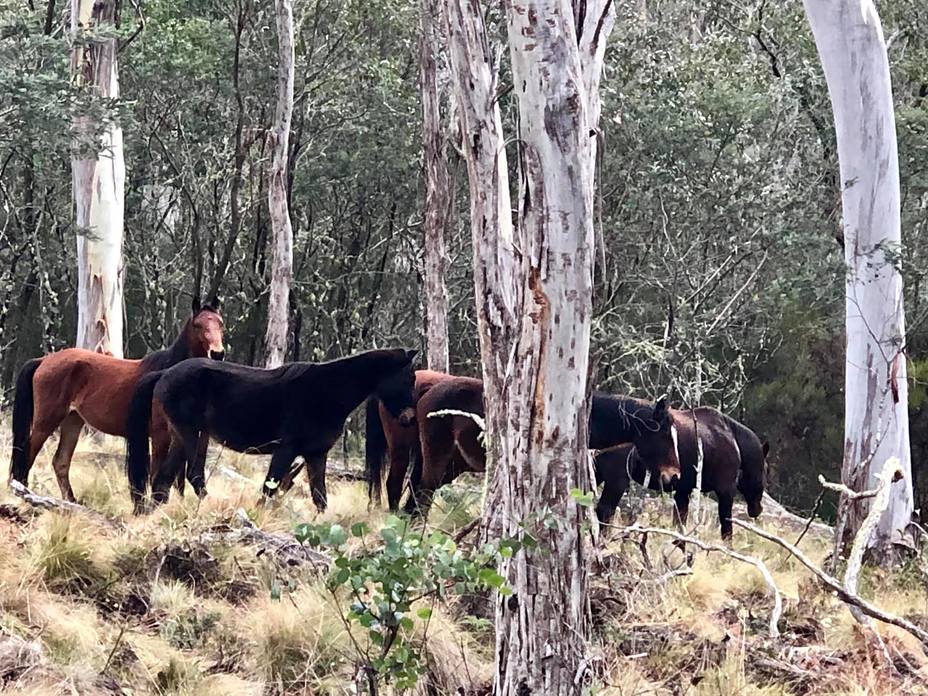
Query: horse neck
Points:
[625, 416]
[351, 379]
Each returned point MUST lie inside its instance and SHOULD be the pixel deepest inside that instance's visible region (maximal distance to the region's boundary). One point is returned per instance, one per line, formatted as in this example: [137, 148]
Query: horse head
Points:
[205, 334]
[751, 481]
[396, 389]
[656, 444]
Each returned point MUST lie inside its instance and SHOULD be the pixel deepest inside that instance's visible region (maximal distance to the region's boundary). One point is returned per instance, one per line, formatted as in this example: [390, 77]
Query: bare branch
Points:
[834, 585]
[774, 632]
[59, 505]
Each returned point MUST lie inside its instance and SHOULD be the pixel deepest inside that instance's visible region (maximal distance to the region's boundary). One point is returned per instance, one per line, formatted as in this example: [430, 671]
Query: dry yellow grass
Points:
[203, 621]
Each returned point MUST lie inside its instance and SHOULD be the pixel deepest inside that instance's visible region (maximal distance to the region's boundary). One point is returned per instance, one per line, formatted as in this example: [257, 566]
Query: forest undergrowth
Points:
[171, 603]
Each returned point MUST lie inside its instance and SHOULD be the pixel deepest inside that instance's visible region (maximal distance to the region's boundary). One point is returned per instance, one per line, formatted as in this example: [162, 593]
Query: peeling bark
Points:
[437, 185]
[850, 42]
[98, 182]
[278, 307]
[534, 305]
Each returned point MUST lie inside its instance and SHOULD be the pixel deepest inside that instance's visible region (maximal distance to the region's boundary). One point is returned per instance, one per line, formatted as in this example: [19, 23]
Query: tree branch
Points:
[775, 614]
[834, 585]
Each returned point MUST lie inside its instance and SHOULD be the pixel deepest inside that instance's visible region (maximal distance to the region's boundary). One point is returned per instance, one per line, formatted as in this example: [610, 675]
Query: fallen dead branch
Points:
[283, 547]
[777, 611]
[50, 503]
[891, 472]
[835, 586]
[772, 508]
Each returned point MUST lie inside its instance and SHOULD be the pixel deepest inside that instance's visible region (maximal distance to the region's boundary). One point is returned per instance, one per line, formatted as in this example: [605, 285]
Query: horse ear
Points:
[215, 303]
[195, 306]
[410, 354]
[660, 409]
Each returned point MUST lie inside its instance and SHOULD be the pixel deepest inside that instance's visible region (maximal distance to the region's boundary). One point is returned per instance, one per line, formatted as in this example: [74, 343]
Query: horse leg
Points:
[614, 487]
[726, 500]
[196, 468]
[399, 463]
[69, 434]
[42, 428]
[287, 483]
[315, 469]
[681, 508]
[166, 473]
[281, 463]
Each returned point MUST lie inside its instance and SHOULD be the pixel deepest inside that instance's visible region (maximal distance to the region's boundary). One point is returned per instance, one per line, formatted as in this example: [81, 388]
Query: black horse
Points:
[298, 409]
[734, 460]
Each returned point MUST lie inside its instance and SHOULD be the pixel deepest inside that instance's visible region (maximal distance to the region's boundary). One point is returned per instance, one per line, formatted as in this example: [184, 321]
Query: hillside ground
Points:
[165, 604]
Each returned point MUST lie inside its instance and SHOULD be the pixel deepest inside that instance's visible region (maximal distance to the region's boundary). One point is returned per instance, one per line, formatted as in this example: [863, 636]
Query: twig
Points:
[59, 505]
[847, 492]
[773, 631]
[834, 585]
[465, 530]
[818, 502]
[109, 659]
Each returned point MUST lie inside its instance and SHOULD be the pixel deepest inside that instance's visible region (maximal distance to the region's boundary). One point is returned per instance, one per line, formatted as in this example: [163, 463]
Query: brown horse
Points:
[386, 436]
[450, 444]
[67, 389]
[733, 460]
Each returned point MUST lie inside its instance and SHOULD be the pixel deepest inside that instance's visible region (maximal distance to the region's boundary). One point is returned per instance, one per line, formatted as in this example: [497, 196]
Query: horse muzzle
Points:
[669, 479]
[219, 355]
[407, 416]
[754, 510]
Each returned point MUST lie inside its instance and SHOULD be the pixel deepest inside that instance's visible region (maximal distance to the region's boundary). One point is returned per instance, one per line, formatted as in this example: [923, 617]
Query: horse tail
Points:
[375, 448]
[23, 407]
[137, 422]
[753, 454]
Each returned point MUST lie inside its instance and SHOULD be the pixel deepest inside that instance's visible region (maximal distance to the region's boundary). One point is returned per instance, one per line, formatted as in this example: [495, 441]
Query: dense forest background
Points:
[721, 277]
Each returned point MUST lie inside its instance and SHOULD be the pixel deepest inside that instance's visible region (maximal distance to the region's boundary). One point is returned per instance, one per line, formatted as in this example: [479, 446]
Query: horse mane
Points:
[634, 412]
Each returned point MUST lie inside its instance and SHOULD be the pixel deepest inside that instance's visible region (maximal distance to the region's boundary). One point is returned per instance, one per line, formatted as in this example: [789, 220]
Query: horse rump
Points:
[23, 407]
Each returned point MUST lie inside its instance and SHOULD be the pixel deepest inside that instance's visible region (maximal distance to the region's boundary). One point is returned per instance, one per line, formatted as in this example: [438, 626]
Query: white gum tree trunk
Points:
[278, 309]
[534, 303]
[437, 184]
[98, 176]
[850, 42]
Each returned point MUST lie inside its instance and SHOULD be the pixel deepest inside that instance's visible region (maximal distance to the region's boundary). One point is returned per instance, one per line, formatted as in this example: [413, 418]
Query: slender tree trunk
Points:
[278, 308]
[437, 185]
[98, 181]
[850, 42]
[534, 305]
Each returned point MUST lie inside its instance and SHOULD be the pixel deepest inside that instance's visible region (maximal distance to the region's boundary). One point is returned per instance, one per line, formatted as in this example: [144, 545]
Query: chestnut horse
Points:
[450, 444]
[67, 389]
[296, 410]
[386, 437]
[733, 461]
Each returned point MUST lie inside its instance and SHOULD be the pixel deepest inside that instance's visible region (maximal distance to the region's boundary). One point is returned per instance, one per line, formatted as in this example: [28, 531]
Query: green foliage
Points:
[390, 582]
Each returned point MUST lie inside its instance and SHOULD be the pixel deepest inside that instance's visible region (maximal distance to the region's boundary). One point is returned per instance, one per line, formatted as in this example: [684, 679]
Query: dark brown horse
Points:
[67, 389]
[386, 436]
[296, 410]
[450, 444]
[733, 460]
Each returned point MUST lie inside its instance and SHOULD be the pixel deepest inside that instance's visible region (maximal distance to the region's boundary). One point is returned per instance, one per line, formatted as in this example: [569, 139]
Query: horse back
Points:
[99, 387]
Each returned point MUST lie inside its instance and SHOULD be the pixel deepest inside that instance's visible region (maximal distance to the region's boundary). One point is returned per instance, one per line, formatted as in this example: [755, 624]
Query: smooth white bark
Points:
[850, 42]
[98, 186]
[278, 308]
